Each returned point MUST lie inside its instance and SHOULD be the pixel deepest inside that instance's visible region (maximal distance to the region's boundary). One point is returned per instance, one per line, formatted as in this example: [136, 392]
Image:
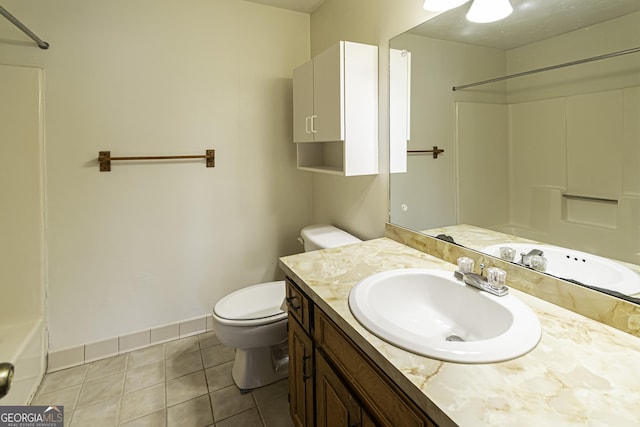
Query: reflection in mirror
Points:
[550, 157]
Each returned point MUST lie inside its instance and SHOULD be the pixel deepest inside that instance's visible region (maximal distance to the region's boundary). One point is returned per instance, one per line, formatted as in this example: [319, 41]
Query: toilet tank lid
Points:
[327, 236]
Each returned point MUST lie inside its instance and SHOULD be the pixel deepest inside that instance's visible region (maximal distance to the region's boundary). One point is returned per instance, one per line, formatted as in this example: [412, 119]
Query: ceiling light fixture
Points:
[481, 11]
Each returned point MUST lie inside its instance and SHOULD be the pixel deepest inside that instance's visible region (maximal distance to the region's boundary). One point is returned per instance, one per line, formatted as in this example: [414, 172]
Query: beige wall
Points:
[361, 204]
[153, 243]
[482, 163]
[460, 184]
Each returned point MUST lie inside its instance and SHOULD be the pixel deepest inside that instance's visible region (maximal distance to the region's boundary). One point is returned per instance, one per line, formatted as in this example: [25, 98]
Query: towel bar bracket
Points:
[211, 158]
[105, 159]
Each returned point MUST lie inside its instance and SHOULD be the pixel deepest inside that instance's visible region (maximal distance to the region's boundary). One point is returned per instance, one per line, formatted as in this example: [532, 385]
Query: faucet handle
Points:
[538, 263]
[465, 265]
[496, 277]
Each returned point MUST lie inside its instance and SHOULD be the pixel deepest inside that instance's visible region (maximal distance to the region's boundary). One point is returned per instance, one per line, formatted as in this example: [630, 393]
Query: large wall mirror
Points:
[539, 118]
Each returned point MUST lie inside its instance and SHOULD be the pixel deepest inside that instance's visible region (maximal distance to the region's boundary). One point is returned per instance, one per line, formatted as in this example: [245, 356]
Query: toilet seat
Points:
[253, 305]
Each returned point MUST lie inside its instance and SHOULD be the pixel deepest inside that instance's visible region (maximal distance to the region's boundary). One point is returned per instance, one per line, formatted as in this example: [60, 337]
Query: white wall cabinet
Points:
[335, 111]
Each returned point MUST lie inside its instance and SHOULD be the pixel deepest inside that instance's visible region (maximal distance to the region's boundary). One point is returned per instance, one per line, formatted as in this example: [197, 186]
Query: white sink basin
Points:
[588, 269]
[431, 313]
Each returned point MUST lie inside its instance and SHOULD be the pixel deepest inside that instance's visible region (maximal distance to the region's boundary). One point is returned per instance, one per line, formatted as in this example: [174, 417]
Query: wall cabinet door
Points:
[328, 94]
[303, 103]
[301, 364]
[318, 97]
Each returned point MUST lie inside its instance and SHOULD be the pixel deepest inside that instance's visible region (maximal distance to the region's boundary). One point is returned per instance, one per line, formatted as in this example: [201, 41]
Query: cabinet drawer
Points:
[380, 396]
[298, 305]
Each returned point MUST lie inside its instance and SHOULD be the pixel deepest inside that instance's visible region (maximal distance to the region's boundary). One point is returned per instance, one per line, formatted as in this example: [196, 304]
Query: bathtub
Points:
[23, 345]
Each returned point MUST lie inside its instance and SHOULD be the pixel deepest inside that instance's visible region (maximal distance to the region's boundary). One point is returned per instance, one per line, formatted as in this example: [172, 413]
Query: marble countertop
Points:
[582, 373]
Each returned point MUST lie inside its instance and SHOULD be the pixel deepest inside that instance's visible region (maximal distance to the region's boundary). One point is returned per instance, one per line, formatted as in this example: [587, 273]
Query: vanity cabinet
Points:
[301, 358]
[335, 111]
[336, 406]
[332, 382]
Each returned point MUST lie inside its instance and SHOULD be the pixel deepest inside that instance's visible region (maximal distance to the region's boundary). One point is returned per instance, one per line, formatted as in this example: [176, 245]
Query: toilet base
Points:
[257, 367]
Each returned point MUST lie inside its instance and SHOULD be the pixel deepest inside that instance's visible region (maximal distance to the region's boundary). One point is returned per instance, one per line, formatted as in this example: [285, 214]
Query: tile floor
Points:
[183, 383]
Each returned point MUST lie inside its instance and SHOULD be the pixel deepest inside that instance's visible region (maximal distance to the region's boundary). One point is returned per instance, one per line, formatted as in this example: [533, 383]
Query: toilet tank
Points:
[325, 236]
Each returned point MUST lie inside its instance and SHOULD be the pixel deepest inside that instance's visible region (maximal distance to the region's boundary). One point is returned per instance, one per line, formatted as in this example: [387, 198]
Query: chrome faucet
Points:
[525, 259]
[480, 282]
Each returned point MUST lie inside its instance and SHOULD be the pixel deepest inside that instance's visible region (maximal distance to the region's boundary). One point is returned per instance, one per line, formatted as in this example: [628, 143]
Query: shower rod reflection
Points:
[41, 43]
[549, 68]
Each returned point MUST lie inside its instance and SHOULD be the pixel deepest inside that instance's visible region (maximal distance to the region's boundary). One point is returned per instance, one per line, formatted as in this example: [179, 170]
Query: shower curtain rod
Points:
[552, 67]
[41, 43]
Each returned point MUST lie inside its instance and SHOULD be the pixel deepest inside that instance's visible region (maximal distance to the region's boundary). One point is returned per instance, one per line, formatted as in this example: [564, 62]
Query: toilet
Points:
[252, 319]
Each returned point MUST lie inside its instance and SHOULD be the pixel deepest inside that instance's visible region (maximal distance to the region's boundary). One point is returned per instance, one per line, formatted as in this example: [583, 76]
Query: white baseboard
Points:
[90, 352]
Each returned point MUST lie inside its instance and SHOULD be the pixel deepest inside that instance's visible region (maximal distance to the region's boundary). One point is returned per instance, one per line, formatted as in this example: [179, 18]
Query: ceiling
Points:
[531, 21]
[305, 6]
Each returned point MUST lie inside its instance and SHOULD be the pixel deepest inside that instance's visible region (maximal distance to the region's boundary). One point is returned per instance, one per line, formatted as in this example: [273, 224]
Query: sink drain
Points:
[454, 338]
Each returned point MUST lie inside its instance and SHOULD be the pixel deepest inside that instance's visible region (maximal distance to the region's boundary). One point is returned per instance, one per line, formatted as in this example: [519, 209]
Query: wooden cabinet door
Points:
[300, 375]
[380, 396]
[303, 103]
[335, 406]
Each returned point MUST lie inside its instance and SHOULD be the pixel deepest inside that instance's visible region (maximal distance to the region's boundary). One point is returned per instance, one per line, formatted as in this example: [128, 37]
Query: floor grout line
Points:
[104, 372]
[124, 380]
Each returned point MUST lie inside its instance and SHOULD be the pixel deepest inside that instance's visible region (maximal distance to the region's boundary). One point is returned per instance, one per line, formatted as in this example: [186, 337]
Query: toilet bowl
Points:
[251, 320]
